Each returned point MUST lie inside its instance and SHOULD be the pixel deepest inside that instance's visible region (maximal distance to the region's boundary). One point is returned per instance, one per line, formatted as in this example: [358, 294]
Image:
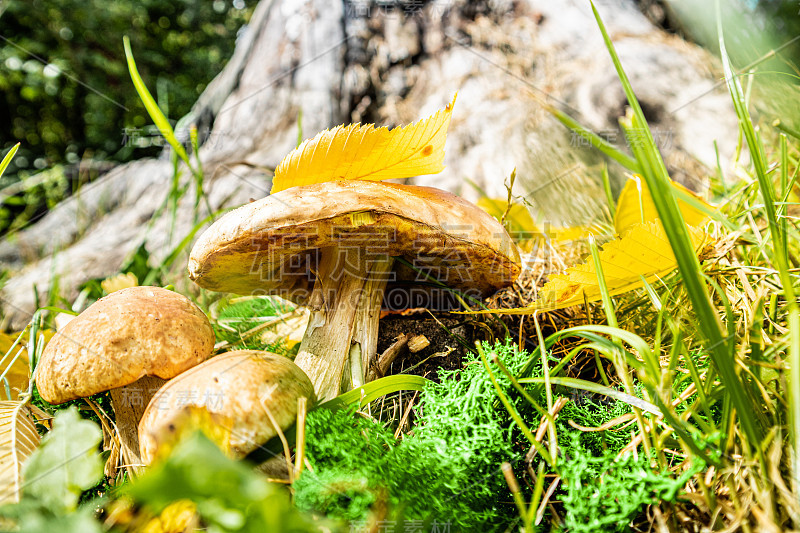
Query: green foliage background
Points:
[65, 92]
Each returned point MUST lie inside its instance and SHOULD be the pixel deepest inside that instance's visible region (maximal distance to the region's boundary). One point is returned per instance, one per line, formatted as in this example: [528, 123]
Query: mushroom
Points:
[332, 246]
[246, 388]
[129, 343]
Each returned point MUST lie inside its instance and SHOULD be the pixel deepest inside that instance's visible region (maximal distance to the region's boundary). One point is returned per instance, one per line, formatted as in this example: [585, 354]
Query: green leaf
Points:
[66, 463]
[37, 520]
[375, 389]
[229, 495]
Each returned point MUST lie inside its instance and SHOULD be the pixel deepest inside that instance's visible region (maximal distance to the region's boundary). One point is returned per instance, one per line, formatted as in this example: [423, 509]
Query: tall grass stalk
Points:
[654, 172]
[619, 362]
[779, 236]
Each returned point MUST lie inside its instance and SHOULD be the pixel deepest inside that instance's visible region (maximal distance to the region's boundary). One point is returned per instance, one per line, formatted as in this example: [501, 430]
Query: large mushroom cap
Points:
[127, 335]
[238, 386]
[271, 244]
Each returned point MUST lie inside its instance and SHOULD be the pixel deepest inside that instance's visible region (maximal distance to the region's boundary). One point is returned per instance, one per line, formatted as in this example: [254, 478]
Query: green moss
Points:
[447, 471]
[604, 493]
[448, 468]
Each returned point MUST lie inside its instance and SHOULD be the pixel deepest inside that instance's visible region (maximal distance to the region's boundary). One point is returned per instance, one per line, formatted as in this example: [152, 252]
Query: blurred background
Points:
[67, 97]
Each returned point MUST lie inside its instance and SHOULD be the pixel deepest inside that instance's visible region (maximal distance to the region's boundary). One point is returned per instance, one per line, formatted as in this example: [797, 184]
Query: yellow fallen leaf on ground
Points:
[18, 440]
[364, 152]
[124, 516]
[178, 517]
[644, 251]
[119, 282]
[631, 212]
[524, 230]
[574, 233]
[518, 219]
[15, 364]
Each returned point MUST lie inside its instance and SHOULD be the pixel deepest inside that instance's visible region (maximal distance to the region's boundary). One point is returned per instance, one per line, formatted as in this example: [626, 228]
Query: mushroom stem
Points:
[345, 308]
[129, 404]
[341, 274]
[365, 329]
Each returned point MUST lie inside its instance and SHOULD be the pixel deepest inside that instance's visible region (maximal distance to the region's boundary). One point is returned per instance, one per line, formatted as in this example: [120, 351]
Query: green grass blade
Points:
[784, 191]
[7, 159]
[591, 386]
[151, 106]
[655, 174]
[779, 254]
[713, 214]
[612, 206]
[595, 140]
[608, 305]
[512, 411]
[374, 390]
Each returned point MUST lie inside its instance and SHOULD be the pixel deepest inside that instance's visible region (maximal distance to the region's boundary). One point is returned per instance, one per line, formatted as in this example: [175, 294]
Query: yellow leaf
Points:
[177, 517]
[18, 440]
[364, 152]
[15, 364]
[119, 282]
[523, 229]
[631, 212]
[572, 233]
[644, 251]
[290, 330]
[518, 220]
[190, 419]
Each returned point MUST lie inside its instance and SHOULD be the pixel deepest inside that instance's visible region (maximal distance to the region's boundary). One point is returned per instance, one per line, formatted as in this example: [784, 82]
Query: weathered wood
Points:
[380, 366]
[418, 343]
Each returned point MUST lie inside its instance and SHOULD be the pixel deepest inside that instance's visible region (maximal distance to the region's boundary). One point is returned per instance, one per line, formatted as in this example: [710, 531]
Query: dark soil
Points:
[462, 333]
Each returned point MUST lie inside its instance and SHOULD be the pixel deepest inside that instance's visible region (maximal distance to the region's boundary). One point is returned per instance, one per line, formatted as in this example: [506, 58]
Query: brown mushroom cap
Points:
[236, 386]
[269, 244]
[129, 334]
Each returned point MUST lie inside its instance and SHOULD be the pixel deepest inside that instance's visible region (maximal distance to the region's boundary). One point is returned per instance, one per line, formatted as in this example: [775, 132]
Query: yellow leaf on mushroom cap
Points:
[364, 152]
[635, 206]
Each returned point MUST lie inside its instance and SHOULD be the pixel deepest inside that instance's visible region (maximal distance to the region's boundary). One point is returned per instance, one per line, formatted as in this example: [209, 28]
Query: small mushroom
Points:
[129, 343]
[245, 387]
[332, 246]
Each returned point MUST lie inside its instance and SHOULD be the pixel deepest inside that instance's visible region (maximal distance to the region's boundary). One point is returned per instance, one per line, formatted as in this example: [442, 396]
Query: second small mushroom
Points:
[253, 391]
